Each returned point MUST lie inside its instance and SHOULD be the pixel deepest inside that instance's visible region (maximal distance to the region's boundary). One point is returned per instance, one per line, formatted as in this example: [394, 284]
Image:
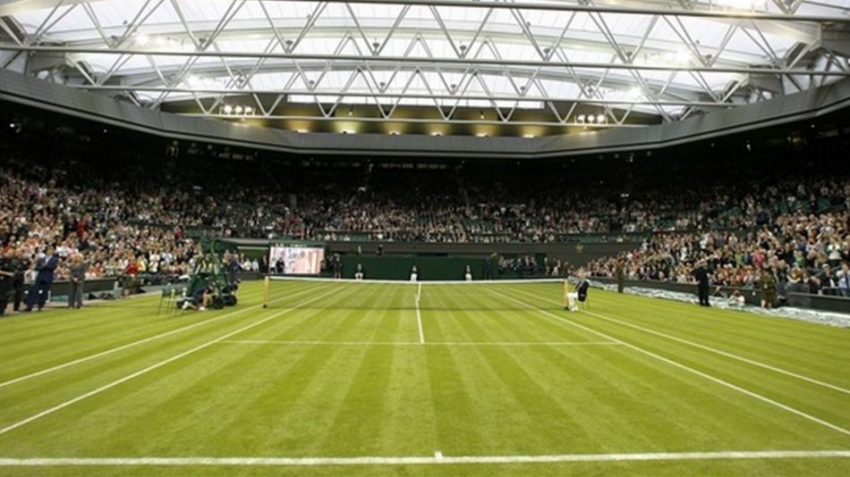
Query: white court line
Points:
[437, 459]
[726, 354]
[152, 367]
[681, 366]
[419, 315]
[713, 350]
[137, 343]
[430, 343]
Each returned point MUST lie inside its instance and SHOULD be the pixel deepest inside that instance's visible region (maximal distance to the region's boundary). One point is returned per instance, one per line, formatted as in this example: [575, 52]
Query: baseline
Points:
[436, 459]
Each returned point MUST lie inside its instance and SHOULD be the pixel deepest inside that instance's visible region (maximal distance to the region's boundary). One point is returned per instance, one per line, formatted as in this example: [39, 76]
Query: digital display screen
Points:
[297, 260]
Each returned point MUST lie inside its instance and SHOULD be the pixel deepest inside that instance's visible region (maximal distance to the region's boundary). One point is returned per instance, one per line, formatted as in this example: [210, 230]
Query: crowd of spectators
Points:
[149, 223]
[800, 237]
[91, 223]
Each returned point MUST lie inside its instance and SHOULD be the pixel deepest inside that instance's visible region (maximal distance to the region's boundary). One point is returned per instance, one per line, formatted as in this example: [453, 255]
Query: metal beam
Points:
[474, 122]
[518, 98]
[698, 9]
[420, 60]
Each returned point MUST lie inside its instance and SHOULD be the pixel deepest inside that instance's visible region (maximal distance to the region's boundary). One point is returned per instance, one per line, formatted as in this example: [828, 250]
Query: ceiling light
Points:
[249, 110]
[228, 109]
[601, 119]
[238, 109]
[580, 118]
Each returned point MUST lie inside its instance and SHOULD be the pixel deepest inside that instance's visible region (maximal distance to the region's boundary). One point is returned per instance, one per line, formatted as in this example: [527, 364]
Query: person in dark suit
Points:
[7, 273]
[621, 275]
[45, 267]
[77, 276]
[22, 264]
[701, 274]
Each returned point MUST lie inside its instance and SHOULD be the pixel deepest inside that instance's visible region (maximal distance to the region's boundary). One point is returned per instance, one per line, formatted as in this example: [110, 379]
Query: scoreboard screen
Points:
[297, 260]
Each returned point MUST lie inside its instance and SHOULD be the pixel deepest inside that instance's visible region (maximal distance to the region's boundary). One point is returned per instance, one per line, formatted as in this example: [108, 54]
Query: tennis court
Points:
[343, 378]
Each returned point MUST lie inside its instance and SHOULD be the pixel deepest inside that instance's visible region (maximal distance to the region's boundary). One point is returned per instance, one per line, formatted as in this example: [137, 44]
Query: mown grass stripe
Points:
[429, 343]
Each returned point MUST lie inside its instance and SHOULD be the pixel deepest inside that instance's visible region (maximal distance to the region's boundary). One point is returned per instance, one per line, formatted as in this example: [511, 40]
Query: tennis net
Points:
[344, 294]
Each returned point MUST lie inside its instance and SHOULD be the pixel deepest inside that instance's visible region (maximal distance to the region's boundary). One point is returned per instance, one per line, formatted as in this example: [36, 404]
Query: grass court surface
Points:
[488, 379]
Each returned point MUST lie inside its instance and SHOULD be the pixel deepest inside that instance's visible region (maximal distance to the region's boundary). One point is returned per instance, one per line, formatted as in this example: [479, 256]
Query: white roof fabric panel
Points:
[500, 36]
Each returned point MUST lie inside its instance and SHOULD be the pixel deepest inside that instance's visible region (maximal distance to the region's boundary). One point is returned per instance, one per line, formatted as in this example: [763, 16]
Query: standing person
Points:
[621, 275]
[40, 290]
[358, 272]
[768, 288]
[78, 271]
[336, 266]
[7, 273]
[22, 264]
[844, 280]
[467, 274]
[701, 274]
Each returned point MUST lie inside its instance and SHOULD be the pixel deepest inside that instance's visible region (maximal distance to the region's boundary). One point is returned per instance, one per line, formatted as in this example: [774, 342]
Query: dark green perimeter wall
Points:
[398, 267]
[446, 261]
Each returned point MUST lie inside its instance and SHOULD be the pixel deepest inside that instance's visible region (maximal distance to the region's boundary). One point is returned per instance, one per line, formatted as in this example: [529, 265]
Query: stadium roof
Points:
[598, 63]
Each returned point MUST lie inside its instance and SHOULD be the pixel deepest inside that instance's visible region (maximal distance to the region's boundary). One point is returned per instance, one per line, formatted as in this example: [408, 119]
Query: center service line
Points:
[688, 368]
[152, 367]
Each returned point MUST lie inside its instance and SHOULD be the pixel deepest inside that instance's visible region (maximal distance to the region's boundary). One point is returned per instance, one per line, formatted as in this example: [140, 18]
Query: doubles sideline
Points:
[437, 459]
[140, 342]
[689, 369]
[710, 349]
[152, 367]
[419, 314]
